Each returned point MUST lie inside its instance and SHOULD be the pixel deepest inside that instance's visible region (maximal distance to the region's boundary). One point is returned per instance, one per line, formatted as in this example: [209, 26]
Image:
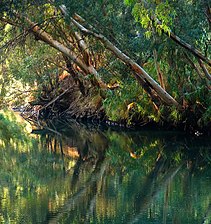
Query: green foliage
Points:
[25, 77]
[175, 116]
[26, 171]
[207, 116]
[10, 129]
[116, 102]
[153, 14]
[186, 19]
[36, 66]
[129, 103]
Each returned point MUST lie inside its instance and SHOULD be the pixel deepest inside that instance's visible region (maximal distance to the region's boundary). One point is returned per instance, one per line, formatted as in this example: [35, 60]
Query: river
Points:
[77, 173]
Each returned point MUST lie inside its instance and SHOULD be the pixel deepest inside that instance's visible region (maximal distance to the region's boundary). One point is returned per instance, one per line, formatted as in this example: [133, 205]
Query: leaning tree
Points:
[101, 49]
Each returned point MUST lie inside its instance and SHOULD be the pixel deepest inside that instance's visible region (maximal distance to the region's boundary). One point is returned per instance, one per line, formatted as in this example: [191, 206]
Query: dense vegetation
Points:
[133, 62]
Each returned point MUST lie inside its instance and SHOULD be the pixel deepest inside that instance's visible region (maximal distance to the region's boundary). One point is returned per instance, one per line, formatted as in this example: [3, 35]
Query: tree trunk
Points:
[204, 69]
[159, 73]
[162, 94]
[47, 38]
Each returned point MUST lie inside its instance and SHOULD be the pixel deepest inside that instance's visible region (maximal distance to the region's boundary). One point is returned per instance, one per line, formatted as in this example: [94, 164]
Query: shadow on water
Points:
[78, 173]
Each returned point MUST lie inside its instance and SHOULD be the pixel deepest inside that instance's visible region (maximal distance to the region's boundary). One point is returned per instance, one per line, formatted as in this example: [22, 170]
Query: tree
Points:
[187, 24]
[92, 53]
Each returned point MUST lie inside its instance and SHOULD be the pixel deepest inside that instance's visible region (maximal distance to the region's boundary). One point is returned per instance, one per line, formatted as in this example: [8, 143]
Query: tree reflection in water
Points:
[91, 175]
[122, 176]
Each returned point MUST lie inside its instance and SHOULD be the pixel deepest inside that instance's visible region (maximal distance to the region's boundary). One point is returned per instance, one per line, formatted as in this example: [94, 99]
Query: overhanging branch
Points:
[168, 99]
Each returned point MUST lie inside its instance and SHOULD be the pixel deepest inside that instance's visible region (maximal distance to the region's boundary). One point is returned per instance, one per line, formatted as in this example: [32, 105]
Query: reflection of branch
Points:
[92, 205]
[76, 172]
[152, 187]
[207, 215]
[81, 193]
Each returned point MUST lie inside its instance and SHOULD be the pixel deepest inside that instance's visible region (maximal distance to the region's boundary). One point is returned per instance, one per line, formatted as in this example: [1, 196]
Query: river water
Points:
[76, 173]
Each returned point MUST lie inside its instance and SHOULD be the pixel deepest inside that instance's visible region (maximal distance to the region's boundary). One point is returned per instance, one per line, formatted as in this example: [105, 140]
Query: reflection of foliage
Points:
[132, 148]
[115, 176]
[10, 130]
[149, 173]
[26, 171]
[140, 171]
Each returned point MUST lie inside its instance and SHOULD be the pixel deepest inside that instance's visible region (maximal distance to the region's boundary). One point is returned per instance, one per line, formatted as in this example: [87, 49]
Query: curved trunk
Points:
[47, 38]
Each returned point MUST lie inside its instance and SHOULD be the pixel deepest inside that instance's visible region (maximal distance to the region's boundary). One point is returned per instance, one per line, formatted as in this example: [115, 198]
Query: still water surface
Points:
[81, 174]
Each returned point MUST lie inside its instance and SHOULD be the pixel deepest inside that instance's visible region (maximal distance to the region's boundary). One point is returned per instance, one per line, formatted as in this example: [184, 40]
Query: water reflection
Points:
[80, 174]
